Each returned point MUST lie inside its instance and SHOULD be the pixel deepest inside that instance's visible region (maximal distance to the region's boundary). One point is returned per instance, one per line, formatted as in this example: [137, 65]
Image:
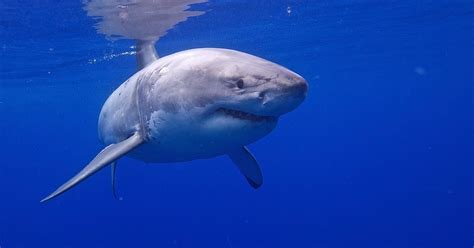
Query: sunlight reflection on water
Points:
[139, 19]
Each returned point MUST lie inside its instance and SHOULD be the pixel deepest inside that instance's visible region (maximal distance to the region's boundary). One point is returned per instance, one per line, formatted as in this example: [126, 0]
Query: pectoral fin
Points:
[104, 158]
[248, 166]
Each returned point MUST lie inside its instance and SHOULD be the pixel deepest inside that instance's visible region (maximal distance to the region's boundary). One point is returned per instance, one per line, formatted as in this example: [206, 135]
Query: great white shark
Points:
[194, 104]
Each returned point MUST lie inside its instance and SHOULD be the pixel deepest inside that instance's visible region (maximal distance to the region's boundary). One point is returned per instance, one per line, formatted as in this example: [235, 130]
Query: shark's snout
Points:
[285, 96]
[298, 88]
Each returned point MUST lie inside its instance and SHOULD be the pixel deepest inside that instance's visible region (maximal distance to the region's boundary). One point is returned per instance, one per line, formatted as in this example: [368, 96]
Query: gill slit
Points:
[141, 121]
[139, 95]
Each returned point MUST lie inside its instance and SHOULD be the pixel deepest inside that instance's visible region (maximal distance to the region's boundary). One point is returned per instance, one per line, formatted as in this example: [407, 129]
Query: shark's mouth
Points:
[245, 115]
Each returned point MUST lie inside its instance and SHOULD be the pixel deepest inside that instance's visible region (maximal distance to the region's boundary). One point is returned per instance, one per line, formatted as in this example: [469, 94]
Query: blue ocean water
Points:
[379, 155]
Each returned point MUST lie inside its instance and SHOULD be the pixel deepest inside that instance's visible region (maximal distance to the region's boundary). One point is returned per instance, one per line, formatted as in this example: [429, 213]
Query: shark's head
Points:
[238, 96]
[255, 86]
[204, 102]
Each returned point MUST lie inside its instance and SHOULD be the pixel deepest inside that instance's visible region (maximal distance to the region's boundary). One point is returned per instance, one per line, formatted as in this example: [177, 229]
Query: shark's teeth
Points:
[243, 115]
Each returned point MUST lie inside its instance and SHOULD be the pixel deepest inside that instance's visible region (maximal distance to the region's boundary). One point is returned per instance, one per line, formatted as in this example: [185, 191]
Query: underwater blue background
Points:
[379, 155]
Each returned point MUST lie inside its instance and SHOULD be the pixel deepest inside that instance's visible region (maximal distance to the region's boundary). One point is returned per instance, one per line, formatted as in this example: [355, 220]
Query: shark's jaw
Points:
[245, 116]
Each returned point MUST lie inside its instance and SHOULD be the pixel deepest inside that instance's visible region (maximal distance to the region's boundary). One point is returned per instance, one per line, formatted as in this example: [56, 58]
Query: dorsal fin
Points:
[146, 53]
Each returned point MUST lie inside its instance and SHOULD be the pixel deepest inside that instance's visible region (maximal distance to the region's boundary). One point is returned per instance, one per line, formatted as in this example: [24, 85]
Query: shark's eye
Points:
[240, 83]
